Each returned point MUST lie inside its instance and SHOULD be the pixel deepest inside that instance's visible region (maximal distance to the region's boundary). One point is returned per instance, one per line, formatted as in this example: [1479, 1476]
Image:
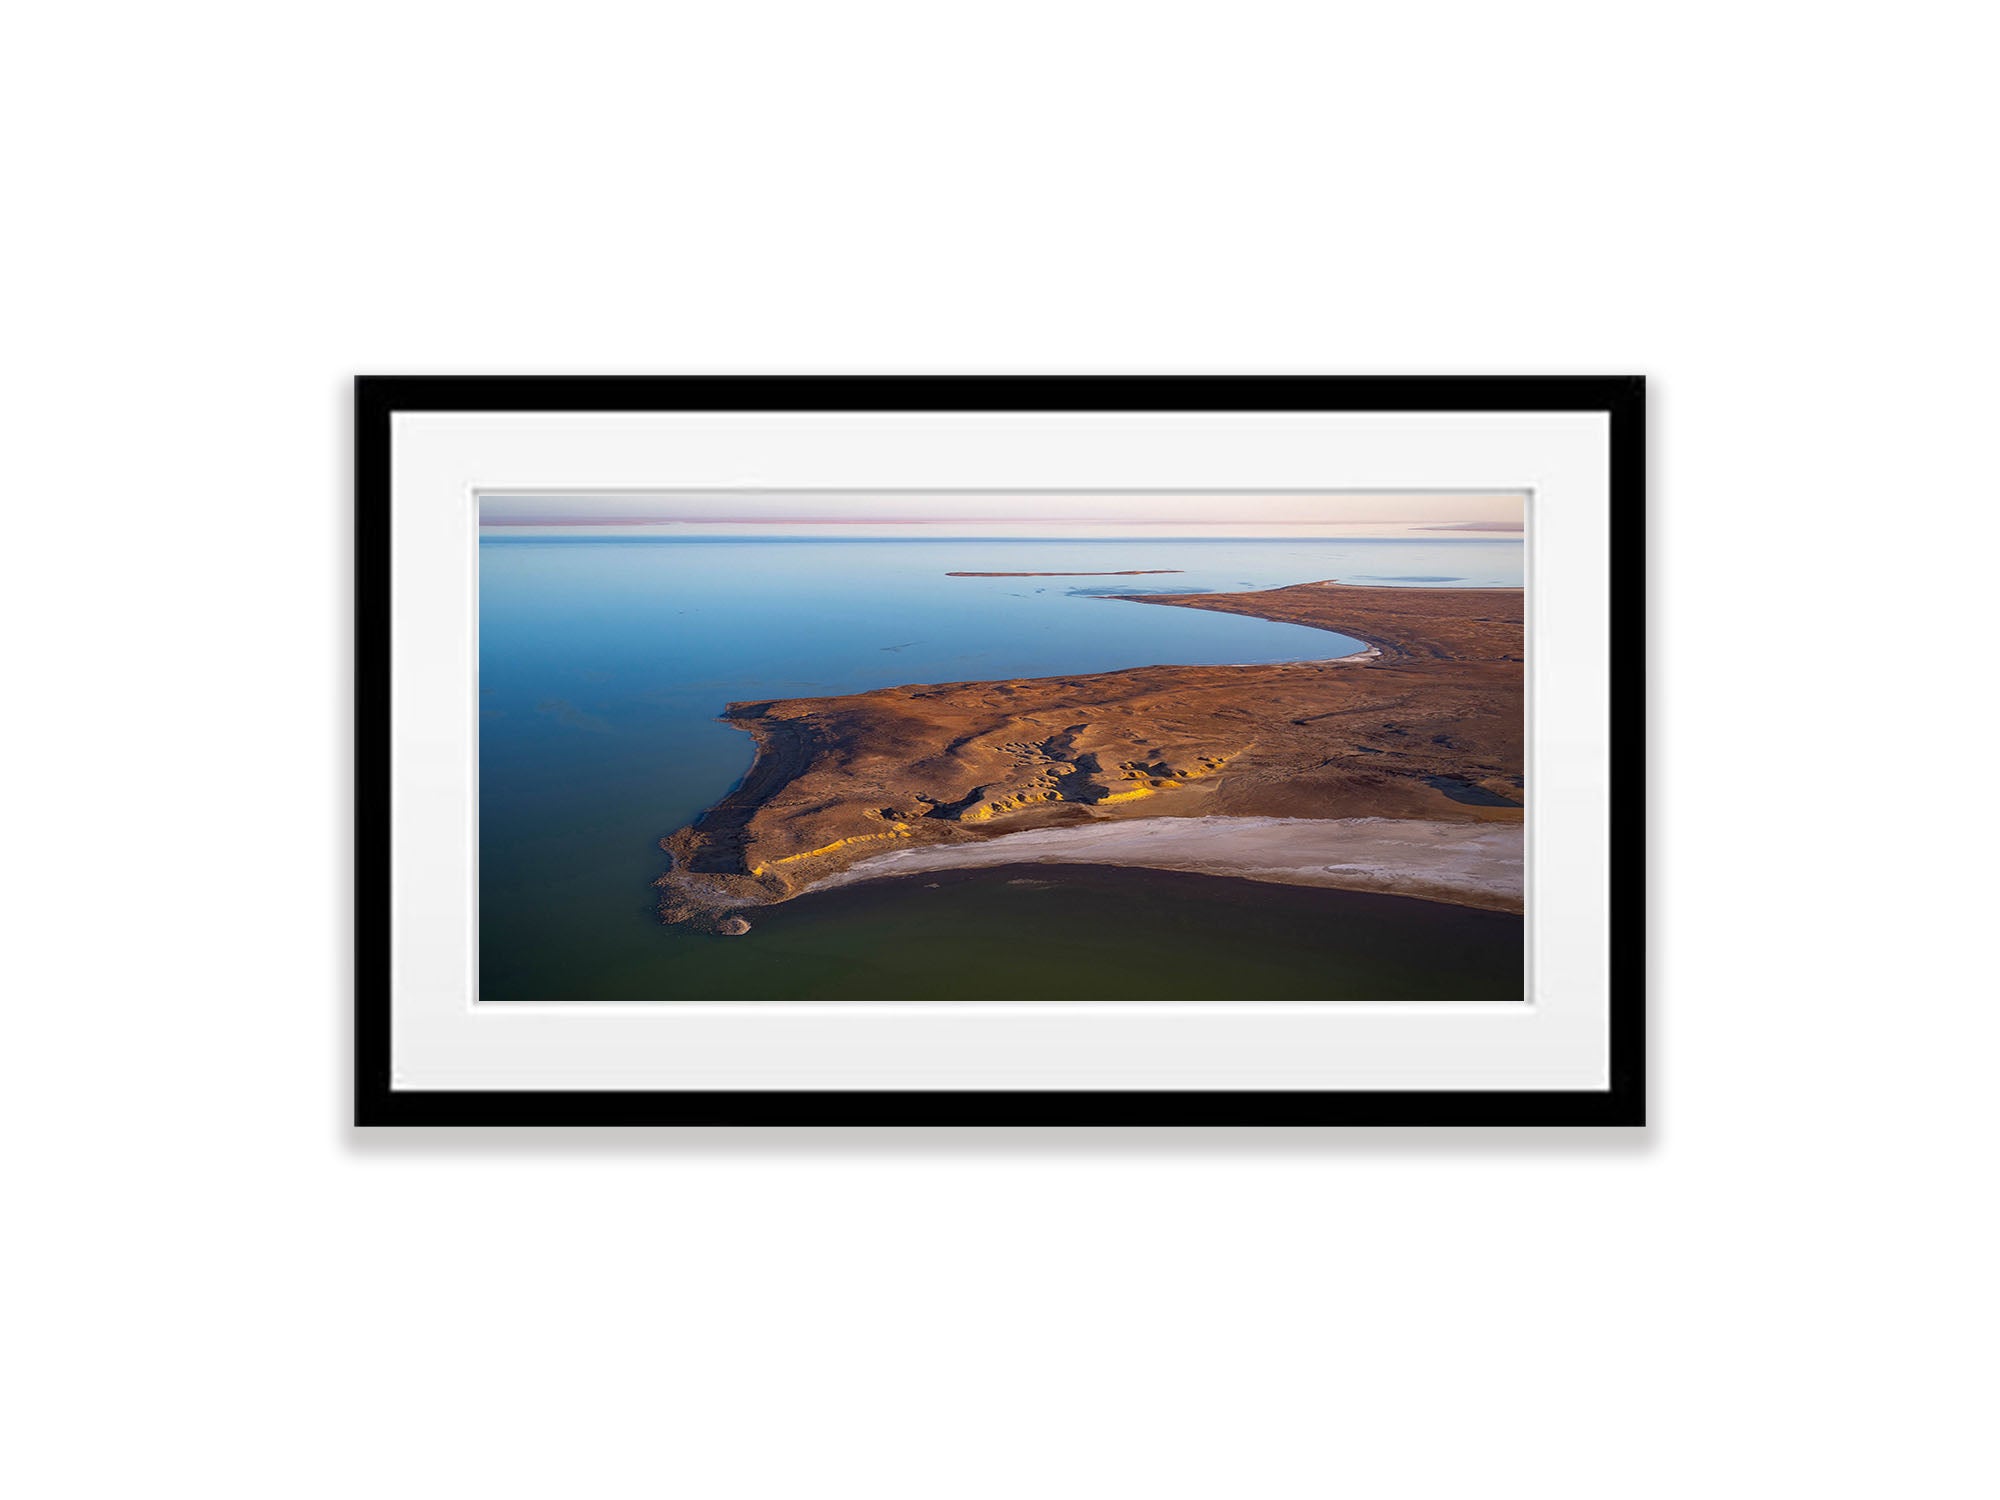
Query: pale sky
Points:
[1007, 513]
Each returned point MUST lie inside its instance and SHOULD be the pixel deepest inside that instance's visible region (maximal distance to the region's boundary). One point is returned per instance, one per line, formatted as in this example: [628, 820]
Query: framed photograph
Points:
[933, 751]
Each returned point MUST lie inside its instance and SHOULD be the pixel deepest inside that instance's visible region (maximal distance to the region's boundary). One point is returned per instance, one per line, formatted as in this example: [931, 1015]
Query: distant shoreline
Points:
[1112, 573]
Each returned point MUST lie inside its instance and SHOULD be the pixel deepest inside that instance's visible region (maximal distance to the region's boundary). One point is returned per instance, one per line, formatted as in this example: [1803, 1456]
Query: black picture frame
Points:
[377, 400]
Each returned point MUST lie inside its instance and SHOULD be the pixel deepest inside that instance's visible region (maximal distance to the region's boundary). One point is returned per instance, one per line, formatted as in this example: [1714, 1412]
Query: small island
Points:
[1396, 769]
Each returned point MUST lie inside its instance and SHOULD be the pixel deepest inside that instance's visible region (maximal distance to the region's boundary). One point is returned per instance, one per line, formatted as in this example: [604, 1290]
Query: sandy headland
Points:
[1424, 727]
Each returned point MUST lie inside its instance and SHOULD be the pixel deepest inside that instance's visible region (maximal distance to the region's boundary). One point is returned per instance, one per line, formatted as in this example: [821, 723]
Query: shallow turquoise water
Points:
[603, 664]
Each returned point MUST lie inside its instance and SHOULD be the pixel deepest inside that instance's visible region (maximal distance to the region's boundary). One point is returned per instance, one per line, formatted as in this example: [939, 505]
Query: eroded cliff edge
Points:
[1427, 723]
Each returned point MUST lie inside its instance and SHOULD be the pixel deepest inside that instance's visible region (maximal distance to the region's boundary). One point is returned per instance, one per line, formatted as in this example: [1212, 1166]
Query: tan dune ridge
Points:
[1425, 724]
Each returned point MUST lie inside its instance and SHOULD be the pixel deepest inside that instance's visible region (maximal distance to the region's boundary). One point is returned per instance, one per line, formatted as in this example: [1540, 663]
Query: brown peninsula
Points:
[1426, 725]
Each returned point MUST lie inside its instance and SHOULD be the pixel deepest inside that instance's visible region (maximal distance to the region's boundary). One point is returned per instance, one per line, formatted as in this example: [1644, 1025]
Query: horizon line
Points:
[673, 522]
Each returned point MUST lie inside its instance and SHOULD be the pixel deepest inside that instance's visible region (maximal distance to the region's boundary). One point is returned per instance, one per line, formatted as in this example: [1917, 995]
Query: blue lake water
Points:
[604, 662]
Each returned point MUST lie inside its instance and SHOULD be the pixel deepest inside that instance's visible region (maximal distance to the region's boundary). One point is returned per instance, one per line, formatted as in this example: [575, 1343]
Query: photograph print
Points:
[758, 746]
[935, 751]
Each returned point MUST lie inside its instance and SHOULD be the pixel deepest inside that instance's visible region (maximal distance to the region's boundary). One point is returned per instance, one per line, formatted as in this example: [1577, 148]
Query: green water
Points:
[1090, 932]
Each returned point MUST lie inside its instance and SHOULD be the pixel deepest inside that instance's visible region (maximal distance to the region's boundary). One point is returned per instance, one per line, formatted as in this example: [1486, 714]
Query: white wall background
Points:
[1781, 213]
